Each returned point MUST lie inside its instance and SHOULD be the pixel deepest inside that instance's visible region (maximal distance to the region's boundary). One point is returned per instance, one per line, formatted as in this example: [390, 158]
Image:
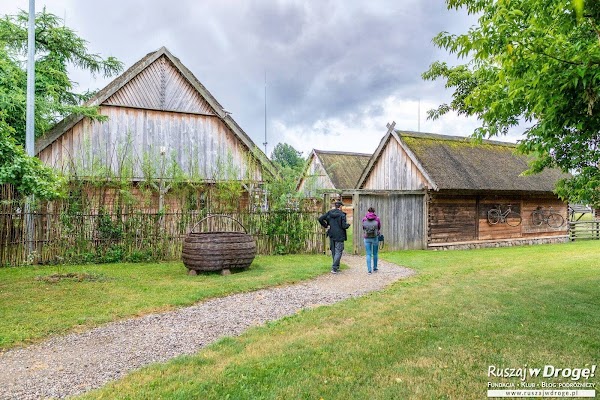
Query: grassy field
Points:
[432, 336]
[34, 304]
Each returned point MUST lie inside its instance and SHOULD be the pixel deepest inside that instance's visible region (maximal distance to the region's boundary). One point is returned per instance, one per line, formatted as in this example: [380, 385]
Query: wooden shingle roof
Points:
[459, 163]
[343, 168]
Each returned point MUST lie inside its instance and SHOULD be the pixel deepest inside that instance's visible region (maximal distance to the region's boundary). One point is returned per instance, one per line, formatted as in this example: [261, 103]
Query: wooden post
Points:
[477, 205]
[326, 207]
[425, 240]
[355, 222]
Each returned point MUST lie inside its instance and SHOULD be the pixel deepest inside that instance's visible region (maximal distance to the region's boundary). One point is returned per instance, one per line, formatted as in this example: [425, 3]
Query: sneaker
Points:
[375, 270]
[333, 271]
[369, 272]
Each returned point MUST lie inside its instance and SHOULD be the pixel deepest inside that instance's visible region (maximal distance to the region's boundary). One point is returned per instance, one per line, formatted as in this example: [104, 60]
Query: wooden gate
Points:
[584, 230]
[403, 218]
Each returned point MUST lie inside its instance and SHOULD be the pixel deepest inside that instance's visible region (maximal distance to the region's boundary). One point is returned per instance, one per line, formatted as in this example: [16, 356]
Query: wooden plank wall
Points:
[315, 179]
[134, 137]
[161, 87]
[156, 109]
[394, 171]
[402, 219]
[110, 199]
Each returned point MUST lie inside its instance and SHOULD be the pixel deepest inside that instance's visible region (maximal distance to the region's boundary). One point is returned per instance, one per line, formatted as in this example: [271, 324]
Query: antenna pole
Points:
[419, 117]
[265, 142]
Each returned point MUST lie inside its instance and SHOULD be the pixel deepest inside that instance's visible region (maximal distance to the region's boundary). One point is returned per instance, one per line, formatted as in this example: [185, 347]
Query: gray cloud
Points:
[323, 59]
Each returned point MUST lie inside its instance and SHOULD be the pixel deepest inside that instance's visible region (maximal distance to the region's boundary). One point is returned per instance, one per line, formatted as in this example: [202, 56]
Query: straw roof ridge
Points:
[464, 139]
[459, 163]
[343, 168]
[348, 153]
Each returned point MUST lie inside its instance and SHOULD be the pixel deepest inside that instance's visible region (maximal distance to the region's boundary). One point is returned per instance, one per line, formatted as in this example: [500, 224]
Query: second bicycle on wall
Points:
[547, 216]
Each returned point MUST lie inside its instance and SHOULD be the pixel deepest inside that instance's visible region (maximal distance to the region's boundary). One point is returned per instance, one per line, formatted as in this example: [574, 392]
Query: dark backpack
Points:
[370, 228]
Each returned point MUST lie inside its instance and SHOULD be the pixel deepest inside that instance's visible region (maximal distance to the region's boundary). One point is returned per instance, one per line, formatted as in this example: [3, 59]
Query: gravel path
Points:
[75, 363]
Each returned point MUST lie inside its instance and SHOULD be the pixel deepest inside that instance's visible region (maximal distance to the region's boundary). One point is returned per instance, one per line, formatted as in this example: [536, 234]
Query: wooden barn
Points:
[161, 122]
[440, 192]
[332, 172]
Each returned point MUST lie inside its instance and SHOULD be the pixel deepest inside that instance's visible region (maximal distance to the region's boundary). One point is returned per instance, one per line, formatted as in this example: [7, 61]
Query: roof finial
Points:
[390, 126]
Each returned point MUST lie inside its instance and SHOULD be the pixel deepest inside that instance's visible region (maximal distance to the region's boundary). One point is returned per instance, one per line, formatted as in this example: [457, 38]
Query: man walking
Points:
[335, 220]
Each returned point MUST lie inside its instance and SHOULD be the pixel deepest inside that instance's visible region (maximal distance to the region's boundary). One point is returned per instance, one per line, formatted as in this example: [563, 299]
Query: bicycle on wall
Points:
[550, 217]
[508, 216]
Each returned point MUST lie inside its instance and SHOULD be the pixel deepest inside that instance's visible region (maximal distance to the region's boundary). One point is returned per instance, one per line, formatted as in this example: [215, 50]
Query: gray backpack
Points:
[370, 228]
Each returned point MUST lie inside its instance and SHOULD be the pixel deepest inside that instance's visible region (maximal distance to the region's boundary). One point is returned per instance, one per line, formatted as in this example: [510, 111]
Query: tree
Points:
[27, 174]
[532, 62]
[57, 47]
[282, 189]
[285, 155]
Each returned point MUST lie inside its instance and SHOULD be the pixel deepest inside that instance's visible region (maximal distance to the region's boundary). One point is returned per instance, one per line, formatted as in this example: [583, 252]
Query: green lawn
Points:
[432, 336]
[33, 307]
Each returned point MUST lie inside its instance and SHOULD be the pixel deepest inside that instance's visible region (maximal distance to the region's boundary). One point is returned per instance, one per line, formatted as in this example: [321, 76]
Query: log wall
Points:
[452, 219]
[464, 218]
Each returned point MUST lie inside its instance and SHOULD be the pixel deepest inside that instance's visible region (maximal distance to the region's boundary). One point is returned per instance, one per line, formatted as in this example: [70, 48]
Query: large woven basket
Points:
[218, 250]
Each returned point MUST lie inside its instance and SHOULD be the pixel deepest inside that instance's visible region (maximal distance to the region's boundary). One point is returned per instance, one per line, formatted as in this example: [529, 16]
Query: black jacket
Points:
[335, 220]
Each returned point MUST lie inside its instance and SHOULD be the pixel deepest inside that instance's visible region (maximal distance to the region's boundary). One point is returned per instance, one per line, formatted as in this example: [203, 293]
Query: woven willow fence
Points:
[61, 235]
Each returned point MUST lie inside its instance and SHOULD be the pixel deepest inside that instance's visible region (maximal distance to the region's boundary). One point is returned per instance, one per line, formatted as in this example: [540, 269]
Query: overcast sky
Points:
[337, 71]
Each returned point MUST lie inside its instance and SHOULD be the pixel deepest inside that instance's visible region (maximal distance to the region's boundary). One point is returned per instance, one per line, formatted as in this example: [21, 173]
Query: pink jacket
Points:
[373, 216]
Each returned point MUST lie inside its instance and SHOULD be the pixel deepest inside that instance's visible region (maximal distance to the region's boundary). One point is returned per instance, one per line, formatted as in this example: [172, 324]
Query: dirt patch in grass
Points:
[72, 277]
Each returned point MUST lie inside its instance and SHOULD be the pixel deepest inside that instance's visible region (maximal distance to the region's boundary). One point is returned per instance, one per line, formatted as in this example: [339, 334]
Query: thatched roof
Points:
[343, 168]
[460, 163]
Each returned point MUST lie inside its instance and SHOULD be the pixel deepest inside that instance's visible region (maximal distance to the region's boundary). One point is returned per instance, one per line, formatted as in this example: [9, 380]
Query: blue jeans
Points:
[372, 247]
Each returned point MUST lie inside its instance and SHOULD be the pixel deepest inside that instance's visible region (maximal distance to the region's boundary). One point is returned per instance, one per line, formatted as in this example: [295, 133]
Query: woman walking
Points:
[371, 225]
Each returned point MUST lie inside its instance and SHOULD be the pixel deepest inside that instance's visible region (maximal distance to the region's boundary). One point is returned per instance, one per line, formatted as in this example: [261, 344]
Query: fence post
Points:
[326, 207]
[356, 231]
[29, 229]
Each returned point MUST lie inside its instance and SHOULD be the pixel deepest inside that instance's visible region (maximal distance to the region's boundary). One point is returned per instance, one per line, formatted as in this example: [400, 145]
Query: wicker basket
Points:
[218, 251]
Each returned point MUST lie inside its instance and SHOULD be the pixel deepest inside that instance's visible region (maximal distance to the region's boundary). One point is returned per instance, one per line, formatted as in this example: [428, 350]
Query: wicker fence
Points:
[136, 237]
[60, 235]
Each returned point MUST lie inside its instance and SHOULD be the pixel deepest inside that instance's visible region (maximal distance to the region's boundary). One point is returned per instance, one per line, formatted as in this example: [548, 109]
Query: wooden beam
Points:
[355, 222]
[382, 192]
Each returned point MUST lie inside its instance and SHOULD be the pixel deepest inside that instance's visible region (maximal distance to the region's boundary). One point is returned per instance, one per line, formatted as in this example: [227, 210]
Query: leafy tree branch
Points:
[537, 63]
